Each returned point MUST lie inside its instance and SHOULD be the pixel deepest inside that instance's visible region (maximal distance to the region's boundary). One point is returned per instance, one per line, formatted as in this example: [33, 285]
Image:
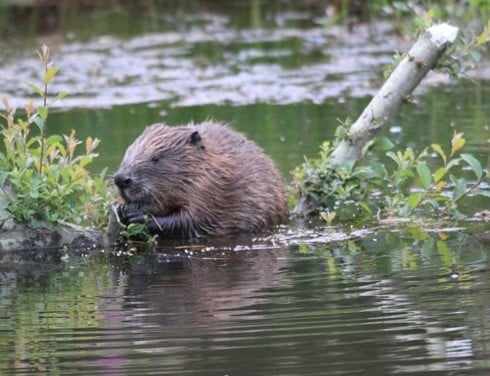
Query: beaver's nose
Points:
[122, 180]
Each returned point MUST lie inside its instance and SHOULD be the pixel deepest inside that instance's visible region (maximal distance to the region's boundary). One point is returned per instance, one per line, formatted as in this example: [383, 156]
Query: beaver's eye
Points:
[155, 158]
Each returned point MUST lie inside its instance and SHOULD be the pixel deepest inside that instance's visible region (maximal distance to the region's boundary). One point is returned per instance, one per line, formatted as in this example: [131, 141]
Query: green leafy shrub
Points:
[415, 184]
[45, 177]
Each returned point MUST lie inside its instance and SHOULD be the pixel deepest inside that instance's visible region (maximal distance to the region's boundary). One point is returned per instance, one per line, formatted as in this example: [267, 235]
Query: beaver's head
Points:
[160, 168]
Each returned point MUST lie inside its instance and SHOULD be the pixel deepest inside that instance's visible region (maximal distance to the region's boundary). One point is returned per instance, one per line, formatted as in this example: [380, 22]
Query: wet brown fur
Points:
[218, 183]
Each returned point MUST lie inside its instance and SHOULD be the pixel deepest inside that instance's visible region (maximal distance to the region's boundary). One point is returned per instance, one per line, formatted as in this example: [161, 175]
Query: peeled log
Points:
[421, 58]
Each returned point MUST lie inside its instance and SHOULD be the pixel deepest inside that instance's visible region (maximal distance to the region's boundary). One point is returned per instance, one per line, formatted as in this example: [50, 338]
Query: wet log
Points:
[34, 236]
[39, 235]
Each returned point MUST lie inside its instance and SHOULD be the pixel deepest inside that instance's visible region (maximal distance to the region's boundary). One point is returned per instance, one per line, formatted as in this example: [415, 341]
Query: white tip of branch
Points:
[443, 33]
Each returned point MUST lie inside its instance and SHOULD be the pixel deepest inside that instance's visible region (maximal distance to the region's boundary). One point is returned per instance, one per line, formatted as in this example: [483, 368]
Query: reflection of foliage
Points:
[42, 176]
[390, 253]
[68, 301]
[362, 191]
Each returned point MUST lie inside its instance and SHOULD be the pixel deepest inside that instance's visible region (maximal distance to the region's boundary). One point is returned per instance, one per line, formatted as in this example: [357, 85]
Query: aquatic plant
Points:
[136, 233]
[44, 177]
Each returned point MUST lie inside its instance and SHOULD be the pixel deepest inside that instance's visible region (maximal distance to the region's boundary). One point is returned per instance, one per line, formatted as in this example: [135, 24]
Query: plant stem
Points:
[45, 103]
[470, 189]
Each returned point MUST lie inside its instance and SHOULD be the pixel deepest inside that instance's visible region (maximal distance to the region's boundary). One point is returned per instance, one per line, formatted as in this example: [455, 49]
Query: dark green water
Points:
[290, 132]
[387, 303]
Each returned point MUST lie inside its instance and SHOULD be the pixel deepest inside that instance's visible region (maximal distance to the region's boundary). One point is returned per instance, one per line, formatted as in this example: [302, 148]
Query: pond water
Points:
[412, 302]
[382, 305]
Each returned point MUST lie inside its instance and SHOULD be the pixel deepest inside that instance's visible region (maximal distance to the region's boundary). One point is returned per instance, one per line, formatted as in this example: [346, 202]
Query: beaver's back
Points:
[256, 194]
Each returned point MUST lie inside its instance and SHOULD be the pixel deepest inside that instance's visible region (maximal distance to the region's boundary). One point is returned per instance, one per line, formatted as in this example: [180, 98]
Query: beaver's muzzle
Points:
[122, 180]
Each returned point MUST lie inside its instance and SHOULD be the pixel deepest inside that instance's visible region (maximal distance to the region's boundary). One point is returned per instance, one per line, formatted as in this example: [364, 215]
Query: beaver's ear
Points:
[196, 140]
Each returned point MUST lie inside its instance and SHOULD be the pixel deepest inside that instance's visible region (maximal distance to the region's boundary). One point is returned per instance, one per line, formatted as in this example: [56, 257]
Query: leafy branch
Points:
[352, 191]
[45, 177]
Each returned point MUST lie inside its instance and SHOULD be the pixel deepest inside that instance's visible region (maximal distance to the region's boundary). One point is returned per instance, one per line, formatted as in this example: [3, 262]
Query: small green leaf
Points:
[34, 194]
[37, 89]
[39, 121]
[483, 193]
[43, 112]
[437, 148]
[366, 207]
[3, 177]
[85, 160]
[474, 164]
[366, 148]
[51, 72]
[439, 174]
[394, 157]
[54, 139]
[414, 199]
[383, 143]
[475, 55]
[459, 187]
[424, 174]
[453, 162]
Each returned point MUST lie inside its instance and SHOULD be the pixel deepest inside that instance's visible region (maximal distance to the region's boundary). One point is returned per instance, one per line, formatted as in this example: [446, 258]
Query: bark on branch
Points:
[421, 58]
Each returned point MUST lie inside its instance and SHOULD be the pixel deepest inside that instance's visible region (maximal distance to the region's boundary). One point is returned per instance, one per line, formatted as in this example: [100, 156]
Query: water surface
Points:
[382, 305]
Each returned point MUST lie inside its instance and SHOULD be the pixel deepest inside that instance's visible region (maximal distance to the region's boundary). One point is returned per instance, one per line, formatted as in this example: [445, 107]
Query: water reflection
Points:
[214, 64]
[203, 290]
[373, 306]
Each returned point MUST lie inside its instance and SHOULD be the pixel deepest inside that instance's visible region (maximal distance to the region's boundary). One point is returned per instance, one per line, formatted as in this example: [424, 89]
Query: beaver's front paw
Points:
[127, 215]
[136, 216]
[153, 224]
[120, 212]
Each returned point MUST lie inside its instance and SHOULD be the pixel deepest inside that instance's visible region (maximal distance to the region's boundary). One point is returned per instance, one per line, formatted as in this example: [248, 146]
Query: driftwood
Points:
[421, 58]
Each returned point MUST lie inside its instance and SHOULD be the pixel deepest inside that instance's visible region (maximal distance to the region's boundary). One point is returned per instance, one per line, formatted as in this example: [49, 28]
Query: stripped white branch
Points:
[421, 58]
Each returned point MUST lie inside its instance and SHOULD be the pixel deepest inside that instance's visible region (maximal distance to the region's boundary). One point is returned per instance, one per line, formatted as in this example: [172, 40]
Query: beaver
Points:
[200, 179]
